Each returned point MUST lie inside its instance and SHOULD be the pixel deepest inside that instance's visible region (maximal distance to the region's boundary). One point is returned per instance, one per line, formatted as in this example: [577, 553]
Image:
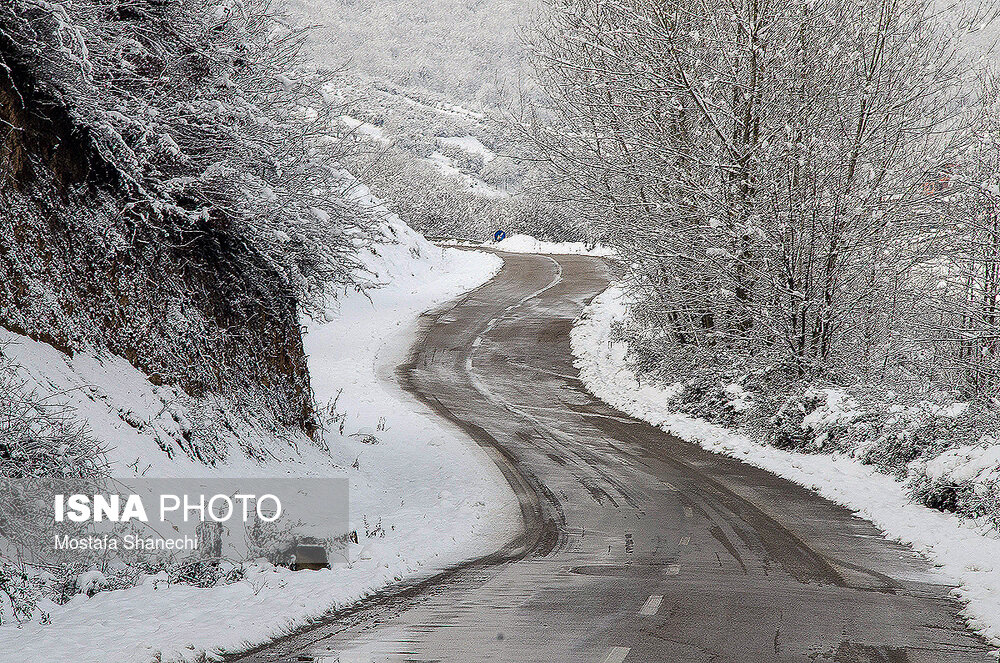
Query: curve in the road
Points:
[637, 546]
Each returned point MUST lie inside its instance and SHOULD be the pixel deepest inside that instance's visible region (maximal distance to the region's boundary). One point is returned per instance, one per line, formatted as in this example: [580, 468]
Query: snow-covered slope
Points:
[438, 498]
[966, 555]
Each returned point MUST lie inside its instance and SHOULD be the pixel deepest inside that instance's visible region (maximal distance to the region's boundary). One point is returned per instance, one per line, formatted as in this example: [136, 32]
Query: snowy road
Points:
[637, 547]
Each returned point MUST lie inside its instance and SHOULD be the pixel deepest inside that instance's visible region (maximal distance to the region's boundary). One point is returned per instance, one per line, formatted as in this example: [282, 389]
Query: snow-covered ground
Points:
[446, 166]
[966, 555]
[528, 244]
[438, 498]
[365, 129]
[471, 145]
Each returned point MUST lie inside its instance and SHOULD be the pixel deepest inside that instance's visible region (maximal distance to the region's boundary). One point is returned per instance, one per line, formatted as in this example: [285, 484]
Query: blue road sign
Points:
[499, 235]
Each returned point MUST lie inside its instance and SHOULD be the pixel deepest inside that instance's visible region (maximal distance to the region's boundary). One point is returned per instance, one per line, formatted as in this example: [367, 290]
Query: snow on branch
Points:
[206, 110]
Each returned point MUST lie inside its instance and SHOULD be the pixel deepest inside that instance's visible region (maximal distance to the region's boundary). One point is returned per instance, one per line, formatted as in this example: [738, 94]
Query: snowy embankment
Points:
[966, 555]
[528, 244]
[519, 243]
[422, 496]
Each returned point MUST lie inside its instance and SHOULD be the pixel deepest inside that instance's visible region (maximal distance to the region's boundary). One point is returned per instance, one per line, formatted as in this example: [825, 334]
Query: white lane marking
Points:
[685, 540]
[555, 281]
[477, 383]
[674, 570]
[671, 487]
[688, 512]
[593, 415]
[652, 605]
[617, 654]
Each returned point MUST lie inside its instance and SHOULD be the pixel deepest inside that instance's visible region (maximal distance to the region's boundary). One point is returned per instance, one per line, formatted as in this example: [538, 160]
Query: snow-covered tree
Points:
[761, 164]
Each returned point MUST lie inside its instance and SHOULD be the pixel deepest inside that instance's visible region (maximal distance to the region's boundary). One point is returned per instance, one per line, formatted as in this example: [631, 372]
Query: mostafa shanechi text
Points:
[125, 542]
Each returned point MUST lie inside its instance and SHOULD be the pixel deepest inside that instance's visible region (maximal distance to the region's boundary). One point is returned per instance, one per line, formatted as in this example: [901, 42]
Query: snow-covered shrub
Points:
[787, 429]
[893, 447]
[40, 438]
[895, 430]
[810, 419]
[19, 593]
[963, 479]
[710, 398]
[91, 582]
[40, 444]
[197, 572]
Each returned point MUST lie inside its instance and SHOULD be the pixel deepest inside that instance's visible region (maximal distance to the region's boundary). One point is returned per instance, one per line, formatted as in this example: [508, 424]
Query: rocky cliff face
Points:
[85, 262]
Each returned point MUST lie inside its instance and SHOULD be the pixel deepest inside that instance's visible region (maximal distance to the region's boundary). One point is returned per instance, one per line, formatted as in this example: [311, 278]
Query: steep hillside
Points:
[190, 303]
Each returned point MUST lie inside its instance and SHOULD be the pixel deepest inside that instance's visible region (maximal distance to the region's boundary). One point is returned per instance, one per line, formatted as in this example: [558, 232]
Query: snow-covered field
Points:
[470, 144]
[438, 498]
[446, 166]
[965, 554]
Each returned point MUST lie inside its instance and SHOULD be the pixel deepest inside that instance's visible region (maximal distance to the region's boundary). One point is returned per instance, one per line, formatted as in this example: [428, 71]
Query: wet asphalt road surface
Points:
[636, 546]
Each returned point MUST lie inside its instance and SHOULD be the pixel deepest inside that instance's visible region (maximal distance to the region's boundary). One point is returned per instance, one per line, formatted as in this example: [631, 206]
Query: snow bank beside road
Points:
[528, 244]
[422, 497]
[438, 496]
[966, 555]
